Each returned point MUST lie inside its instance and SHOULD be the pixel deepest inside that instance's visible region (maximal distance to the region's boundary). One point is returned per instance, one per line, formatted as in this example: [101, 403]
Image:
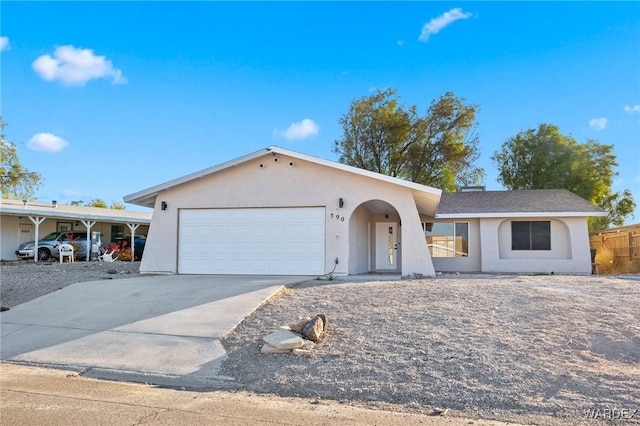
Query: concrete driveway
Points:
[164, 330]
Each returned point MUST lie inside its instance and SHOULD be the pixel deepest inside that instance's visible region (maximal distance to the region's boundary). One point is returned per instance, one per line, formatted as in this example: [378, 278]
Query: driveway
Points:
[164, 330]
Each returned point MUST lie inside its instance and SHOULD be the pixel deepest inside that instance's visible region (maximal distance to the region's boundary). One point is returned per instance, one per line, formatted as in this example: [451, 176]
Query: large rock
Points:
[325, 323]
[298, 326]
[284, 339]
[314, 330]
[268, 349]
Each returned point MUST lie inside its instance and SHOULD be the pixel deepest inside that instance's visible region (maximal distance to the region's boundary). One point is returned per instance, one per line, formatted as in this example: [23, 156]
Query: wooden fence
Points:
[617, 250]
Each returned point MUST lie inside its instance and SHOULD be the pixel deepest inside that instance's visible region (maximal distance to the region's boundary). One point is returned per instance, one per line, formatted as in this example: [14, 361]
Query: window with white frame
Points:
[447, 239]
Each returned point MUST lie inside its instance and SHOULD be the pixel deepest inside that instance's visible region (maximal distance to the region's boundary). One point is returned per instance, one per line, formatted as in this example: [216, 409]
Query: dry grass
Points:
[611, 265]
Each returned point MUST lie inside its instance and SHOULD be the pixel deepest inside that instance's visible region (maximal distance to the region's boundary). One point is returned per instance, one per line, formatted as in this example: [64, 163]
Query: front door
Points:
[26, 232]
[386, 246]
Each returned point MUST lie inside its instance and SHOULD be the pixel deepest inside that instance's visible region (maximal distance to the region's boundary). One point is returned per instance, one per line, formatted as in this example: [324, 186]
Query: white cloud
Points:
[436, 24]
[598, 123]
[300, 130]
[46, 142]
[631, 109]
[73, 66]
[4, 43]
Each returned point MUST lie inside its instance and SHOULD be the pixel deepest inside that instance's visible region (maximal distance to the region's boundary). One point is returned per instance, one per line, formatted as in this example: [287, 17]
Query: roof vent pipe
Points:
[472, 189]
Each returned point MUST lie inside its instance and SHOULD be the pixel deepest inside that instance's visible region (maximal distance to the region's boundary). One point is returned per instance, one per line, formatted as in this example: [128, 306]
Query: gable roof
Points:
[517, 203]
[426, 197]
[20, 208]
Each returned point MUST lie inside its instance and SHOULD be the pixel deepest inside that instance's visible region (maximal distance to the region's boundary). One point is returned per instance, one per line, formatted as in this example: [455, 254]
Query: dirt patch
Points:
[541, 349]
[23, 282]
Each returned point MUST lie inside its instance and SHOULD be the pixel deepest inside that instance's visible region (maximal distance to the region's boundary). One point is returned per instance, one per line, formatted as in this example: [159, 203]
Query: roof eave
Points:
[147, 197]
[517, 215]
[75, 216]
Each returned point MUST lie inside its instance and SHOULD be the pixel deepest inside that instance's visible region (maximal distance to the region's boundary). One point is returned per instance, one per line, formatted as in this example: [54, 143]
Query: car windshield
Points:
[51, 237]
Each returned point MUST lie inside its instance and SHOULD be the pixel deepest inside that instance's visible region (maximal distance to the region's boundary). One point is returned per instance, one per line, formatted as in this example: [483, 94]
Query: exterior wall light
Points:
[163, 205]
[341, 202]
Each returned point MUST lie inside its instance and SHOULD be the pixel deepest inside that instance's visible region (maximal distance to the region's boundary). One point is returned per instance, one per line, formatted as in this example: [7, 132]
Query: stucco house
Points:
[22, 221]
[279, 212]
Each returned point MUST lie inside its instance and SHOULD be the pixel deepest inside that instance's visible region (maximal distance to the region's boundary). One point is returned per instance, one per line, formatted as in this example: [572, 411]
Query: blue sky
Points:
[108, 98]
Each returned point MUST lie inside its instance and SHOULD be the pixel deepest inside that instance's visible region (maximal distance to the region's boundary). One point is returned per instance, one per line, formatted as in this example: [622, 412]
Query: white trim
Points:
[63, 211]
[510, 215]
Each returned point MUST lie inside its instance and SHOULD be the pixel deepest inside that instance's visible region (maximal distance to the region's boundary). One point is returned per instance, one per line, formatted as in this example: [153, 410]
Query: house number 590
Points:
[337, 217]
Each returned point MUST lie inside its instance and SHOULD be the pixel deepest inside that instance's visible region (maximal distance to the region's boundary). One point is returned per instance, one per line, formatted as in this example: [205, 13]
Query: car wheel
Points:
[43, 254]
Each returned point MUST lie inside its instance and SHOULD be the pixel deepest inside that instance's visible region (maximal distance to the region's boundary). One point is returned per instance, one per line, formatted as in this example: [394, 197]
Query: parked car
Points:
[125, 242]
[48, 246]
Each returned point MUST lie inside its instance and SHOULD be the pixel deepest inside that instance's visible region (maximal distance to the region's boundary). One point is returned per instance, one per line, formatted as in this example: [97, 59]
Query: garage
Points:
[252, 241]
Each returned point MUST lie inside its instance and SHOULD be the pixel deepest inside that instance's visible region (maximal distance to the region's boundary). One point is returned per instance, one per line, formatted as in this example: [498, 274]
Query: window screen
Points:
[528, 235]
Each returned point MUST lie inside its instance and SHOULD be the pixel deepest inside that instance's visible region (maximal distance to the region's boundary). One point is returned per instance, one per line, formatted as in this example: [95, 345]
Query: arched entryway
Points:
[374, 238]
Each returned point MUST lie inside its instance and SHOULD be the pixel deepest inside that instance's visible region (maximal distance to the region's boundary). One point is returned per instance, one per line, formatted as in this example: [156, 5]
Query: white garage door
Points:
[269, 241]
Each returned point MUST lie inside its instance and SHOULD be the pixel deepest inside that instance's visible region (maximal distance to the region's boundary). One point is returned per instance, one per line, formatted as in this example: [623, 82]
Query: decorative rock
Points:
[298, 326]
[284, 339]
[308, 345]
[300, 352]
[268, 349]
[325, 323]
[314, 330]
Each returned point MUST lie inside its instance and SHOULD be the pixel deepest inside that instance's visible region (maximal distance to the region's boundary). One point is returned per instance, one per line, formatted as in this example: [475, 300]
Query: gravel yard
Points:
[27, 281]
[526, 349]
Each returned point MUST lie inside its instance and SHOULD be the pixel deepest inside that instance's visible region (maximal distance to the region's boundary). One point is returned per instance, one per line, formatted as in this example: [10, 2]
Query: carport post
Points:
[132, 228]
[37, 220]
[88, 224]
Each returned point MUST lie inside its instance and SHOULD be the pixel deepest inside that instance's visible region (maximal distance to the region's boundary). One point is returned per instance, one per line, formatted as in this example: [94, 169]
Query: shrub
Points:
[122, 251]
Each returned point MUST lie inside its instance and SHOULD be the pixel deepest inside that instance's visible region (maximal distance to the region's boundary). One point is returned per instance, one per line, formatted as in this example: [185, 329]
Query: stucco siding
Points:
[289, 182]
[569, 248]
[359, 240]
[473, 263]
[9, 237]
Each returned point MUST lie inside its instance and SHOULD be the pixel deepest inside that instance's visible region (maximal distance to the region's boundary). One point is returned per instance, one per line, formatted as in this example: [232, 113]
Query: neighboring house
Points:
[279, 212]
[22, 221]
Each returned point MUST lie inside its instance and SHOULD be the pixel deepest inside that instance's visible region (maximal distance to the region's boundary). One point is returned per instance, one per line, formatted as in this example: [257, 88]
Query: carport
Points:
[15, 212]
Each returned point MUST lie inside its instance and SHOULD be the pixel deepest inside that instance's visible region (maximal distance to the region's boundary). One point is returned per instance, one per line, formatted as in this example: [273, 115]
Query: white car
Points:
[48, 246]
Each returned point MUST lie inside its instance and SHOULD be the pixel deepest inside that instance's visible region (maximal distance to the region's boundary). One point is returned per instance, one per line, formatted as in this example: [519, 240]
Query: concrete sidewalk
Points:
[37, 396]
[158, 329]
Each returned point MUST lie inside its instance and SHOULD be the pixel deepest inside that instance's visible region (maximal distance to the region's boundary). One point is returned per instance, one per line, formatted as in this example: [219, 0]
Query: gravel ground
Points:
[533, 350]
[525, 349]
[27, 281]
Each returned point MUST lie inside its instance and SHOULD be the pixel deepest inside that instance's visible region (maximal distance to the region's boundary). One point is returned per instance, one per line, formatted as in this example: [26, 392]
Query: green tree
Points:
[545, 158]
[116, 205]
[97, 202]
[438, 149]
[17, 181]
